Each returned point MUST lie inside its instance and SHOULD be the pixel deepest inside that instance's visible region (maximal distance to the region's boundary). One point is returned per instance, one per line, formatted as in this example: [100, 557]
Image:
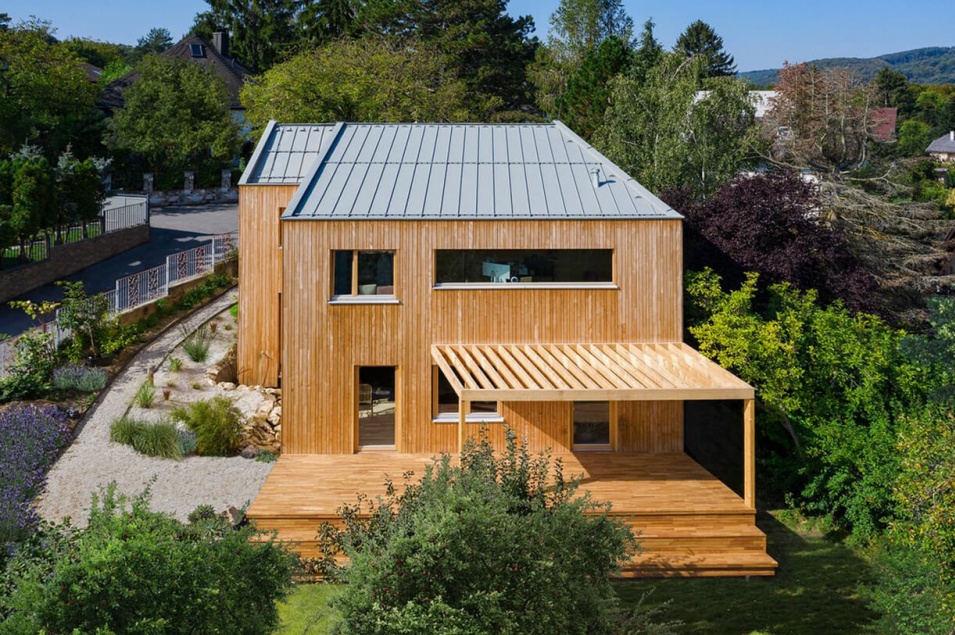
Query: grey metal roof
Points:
[945, 143]
[285, 153]
[460, 171]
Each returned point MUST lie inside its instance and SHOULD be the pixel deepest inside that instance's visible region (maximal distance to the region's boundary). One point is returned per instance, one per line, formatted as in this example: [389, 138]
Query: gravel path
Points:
[178, 486]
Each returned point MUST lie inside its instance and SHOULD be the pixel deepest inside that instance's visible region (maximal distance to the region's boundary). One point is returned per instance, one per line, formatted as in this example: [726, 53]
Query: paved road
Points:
[172, 229]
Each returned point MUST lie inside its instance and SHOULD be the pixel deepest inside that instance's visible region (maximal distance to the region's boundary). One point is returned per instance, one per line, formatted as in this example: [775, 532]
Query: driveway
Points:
[172, 229]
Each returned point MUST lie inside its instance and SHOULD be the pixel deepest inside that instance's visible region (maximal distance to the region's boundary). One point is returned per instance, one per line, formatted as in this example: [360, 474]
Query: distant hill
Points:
[932, 65]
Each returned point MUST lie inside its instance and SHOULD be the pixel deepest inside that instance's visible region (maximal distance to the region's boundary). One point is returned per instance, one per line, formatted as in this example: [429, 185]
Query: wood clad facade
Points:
[325, 341]
[260, 282]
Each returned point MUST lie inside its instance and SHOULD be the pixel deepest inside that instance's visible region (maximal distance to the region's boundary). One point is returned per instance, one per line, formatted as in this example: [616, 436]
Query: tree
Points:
[156, 40]
[371, 79]
[491, 545]
[582, 104]
[768, 223]
[699, 39]
[32, 198]
[43, 88]
[661, 133]
[132, 570]
[820, 118]
[482, 45]
[892, 90]
[578, 27]
[579, 31]
[261, 32]
[324, 21]
[177, 115]
[832, 385]
[914, 137]
[648, 53]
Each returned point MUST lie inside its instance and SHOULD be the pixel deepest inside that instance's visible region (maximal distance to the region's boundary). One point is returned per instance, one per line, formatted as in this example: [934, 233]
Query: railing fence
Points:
[146, 286]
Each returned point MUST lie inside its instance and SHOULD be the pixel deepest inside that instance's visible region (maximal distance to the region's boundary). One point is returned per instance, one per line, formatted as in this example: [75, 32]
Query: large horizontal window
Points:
[367, 273]
[467, 266]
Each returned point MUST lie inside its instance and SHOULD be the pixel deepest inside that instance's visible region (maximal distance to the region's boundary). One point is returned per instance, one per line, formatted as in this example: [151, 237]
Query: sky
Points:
[760, 34]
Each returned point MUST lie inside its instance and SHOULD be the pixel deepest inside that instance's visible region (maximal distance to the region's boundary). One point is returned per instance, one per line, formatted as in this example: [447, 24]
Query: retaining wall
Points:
[66, 260]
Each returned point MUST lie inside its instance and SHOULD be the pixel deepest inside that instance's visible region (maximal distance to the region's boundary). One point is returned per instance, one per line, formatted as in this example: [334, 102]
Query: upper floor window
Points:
[555, 266]
[364, 273]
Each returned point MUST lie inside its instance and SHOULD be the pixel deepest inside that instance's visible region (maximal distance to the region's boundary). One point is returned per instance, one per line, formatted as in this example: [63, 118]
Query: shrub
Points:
[175, 364]
[187, 442]
[159, 439]
[118, 336]
[146, 395]
[31, 374]
[133, 570]
[212, 283]
[197, 344]
[493, 545]
[216, 422]
[30, 440]
[79, 378]
[86, 317]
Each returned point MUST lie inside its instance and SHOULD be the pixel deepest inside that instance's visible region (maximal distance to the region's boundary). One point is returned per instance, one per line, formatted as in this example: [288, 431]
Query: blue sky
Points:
[760, 34]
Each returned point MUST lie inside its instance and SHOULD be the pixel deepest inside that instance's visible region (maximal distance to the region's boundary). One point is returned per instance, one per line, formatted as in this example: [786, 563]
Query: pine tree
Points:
[700, 39]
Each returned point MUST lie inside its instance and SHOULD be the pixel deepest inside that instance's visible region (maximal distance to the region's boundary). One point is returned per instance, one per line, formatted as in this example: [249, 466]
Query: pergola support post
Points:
[463, 408]
[749, 453]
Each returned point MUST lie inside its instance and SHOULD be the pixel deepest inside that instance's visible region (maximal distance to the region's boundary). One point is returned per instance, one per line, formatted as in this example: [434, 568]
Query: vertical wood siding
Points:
[260, 282]
[325, 342]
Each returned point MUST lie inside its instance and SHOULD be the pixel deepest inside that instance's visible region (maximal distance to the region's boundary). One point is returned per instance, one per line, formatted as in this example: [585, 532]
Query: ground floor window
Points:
[377, 397]
[591, 424]
[445, 403]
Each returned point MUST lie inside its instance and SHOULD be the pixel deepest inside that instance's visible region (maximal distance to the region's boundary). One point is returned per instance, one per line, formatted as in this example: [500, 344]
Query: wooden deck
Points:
[690, 523]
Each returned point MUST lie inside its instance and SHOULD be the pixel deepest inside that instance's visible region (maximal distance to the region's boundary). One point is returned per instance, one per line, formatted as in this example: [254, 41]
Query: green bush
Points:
[493, 545]
[85, 316]
[136, 571]
[212, 283]
[159, 439]
[146, 395]
[197, 344]
[118, 336]
[216, 422]
[79, 378]
[188, 442]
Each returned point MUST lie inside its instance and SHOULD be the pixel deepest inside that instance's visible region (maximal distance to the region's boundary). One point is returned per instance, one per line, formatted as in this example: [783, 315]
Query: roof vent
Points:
[595, 177]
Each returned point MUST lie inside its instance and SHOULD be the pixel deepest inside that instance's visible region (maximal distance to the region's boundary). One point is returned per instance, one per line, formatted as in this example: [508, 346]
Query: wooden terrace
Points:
[690, 523]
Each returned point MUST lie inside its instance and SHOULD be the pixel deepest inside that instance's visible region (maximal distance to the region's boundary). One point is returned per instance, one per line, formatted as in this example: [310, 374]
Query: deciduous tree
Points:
[175, 116]
[371, 79]
[659, 131]
[820, 118]
[43, 87]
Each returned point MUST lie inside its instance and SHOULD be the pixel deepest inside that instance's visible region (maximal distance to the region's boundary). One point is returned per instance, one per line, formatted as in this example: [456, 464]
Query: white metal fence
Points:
[146, 286]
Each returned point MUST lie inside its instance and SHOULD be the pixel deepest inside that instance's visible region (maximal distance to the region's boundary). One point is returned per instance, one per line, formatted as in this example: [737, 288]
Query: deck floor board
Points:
[691, 523]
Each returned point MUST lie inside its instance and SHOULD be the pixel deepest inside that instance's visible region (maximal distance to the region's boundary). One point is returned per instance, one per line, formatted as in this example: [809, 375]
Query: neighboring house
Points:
[215, 57]
[884, 121]
[762, 100]
[411, 285]
[943, 148]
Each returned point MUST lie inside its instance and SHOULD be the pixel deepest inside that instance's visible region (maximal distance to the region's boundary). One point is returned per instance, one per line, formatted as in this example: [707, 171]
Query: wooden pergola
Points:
[657, 371]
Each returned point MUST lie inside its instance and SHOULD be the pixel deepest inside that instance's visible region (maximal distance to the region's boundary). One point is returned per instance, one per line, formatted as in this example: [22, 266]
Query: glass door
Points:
[377, 398]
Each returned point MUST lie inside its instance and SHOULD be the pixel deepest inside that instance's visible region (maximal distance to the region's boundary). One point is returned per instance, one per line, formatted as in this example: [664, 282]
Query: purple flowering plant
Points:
[30, 440]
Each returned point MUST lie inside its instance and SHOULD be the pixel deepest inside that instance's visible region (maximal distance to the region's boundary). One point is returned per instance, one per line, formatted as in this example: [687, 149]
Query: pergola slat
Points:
[585, 371]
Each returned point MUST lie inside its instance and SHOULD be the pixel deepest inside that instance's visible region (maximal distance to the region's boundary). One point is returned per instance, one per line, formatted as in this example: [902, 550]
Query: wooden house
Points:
[409, 284]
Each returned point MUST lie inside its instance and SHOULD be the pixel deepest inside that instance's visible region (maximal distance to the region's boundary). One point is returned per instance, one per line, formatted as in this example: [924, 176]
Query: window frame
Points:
[611, 445]
[455, 417]
[606, 284]
[355, 297]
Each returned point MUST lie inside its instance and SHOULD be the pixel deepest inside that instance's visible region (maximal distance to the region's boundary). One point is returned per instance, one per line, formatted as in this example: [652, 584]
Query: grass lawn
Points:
[815, 590]
[307, 611]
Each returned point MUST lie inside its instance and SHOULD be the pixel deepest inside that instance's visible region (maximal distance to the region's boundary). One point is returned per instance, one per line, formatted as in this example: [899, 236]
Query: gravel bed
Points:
[177, 487]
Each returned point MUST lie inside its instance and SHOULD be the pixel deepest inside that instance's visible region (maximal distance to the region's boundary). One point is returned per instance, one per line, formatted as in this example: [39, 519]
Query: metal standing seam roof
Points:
[447, 171]
[285, 153]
